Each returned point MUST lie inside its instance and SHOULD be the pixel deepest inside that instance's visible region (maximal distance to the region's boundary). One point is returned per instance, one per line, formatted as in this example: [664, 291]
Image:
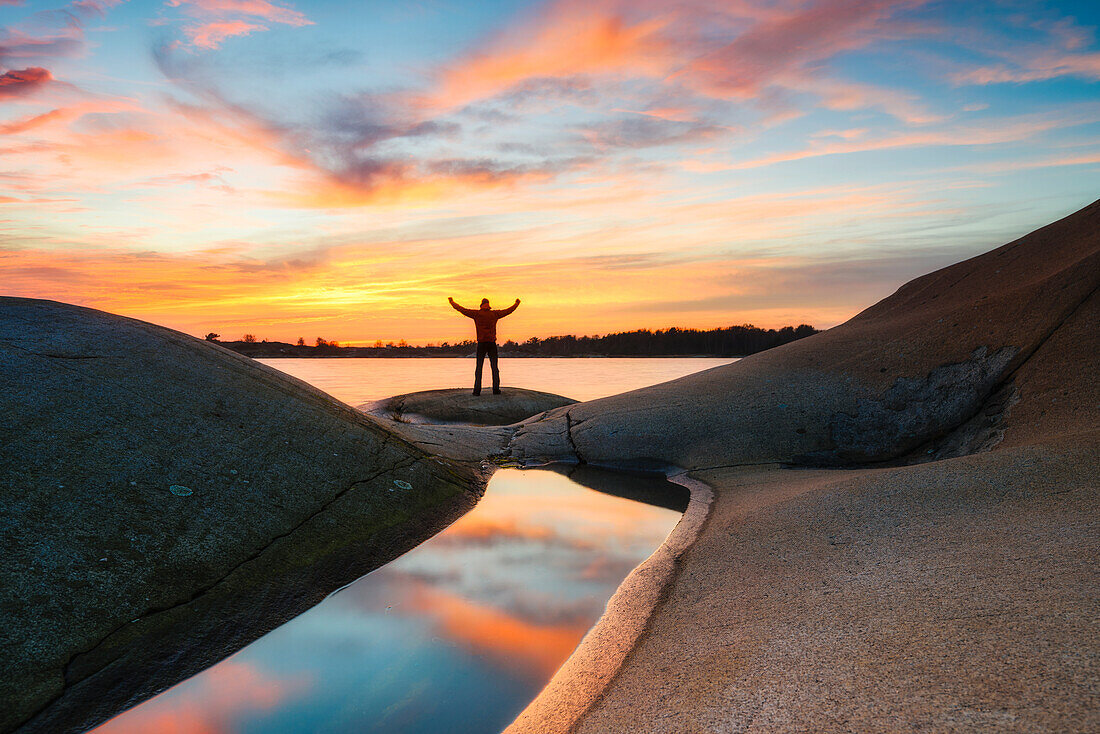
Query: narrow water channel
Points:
[458, 635]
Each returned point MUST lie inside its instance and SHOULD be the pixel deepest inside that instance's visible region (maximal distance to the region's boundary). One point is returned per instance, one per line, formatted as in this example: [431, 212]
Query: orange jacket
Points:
[485, 320]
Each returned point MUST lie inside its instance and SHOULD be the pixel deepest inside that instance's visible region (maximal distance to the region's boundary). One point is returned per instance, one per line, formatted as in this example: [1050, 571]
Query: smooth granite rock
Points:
[458, 405]
[164, 501]
[895, 379]
[940, 575]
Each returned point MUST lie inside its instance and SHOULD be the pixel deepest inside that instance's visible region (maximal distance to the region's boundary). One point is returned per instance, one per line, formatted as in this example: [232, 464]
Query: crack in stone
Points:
[68, 356]
[569, 437]
[67, 667]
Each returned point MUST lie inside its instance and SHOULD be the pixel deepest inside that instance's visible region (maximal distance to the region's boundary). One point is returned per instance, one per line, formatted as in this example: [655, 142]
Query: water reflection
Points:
[358, 381]
[457, 635]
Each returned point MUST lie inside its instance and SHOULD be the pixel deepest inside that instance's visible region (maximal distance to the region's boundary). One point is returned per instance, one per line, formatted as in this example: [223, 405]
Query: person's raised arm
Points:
[460, 309]
[510, 309]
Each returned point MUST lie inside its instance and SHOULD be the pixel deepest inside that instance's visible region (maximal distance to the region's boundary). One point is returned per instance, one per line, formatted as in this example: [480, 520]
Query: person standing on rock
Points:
[485, 324]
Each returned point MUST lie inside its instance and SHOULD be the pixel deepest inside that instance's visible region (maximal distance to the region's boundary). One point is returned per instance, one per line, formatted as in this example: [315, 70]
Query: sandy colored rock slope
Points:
[956, 590]
[895, 377]
[165, 501]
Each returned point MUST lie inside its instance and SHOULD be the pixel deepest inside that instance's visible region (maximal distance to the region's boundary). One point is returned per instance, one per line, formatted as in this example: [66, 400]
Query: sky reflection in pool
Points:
[457, 635]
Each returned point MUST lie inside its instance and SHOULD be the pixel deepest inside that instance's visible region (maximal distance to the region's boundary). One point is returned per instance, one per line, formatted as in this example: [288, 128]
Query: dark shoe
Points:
[477, 392]
[496, 392]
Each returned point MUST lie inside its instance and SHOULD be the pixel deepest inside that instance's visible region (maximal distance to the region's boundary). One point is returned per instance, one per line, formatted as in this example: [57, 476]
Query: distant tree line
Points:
[730, 341]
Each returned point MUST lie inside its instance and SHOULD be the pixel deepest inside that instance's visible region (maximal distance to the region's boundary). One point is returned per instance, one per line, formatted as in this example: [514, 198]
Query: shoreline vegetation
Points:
[731, 341]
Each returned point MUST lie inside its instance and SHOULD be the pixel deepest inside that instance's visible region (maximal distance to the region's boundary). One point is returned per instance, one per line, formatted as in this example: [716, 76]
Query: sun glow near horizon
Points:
[339, 170]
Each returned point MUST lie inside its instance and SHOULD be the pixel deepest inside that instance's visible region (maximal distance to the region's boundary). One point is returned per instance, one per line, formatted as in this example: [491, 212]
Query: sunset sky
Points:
[339, 169]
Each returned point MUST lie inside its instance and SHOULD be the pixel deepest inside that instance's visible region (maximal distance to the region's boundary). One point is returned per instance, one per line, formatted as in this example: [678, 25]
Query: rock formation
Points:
[458, 405]
[903, 535]
[165, 501]
[900, 376]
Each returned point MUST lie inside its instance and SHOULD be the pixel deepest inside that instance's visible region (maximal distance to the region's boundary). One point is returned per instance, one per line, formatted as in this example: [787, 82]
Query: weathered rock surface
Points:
[954, 588]
[903, 373]
[950, 596]
[459, 405]
[164, 501]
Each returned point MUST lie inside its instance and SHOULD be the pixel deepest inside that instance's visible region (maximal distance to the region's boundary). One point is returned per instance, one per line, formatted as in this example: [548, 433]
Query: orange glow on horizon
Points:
[360, 292]
[615, 164]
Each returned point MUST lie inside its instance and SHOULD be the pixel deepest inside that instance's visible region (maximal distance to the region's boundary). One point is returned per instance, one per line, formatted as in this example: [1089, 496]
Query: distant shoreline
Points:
[503, 355]
[727, 342]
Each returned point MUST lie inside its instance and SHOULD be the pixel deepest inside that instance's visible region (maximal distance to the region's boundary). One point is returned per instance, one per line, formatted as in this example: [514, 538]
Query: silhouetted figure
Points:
[485, 322]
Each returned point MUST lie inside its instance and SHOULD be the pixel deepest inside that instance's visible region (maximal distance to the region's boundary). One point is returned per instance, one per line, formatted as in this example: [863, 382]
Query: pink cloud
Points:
[210, 35]
[29, 123]
[793, 42]
[92, 7]
[1071, 159]
[64, 114]
[571, 39]
[222, 19]
[847, 95]
[49, 34]
[768, 50]
[848, 134]
[25, 47]
[1037, 68]
[22, 82]
[257, 8]
[1037, 51]
[528, 648]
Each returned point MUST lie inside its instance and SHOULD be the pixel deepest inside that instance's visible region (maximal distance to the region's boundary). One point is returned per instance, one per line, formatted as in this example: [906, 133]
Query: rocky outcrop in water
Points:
[165, 501]
[458, 405]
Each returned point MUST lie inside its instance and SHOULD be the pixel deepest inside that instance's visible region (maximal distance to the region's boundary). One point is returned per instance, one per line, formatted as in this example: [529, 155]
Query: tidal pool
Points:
[457, 635]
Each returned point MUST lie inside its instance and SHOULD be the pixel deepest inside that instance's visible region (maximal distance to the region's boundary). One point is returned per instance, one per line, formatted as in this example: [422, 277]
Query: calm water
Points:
[461, 633]
[357, 381]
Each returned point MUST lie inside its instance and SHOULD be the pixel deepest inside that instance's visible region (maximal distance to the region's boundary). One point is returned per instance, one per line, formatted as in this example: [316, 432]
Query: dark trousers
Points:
[486, 348]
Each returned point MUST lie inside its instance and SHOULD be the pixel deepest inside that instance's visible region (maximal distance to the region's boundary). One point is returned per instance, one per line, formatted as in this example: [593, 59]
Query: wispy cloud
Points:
[217, 20]
[1049, 49]
[1007, 131]
[51, 34]
[16, 46]
[565, 40]
[730, 51]
[30, 122]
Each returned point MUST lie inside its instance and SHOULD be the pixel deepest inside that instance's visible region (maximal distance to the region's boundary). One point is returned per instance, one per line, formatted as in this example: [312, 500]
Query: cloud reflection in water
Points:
[457, 635]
